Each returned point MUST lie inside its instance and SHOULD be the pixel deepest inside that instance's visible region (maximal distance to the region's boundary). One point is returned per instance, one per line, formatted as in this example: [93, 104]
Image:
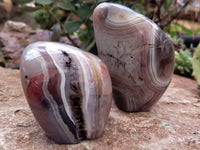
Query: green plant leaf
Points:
[197, 31]
[196, 65]
[187, 69]
[186, 30]
[22, 1]
[183, 61]
[65, 6]
[2, 59]
[45, 2]
[140, 8]
[83, 12]
[177, 28]
[56, 32]
[72, 26]
[68, 1]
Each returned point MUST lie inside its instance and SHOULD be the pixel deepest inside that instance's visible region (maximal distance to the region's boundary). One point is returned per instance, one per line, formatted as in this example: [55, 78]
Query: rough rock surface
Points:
[173, 123]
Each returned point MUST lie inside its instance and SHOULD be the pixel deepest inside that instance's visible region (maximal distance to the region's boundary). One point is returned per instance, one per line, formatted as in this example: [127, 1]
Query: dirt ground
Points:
[173, 123]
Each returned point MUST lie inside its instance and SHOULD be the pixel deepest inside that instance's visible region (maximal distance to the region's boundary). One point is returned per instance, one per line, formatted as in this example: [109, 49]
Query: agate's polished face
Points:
[69, 91]
[138, 54]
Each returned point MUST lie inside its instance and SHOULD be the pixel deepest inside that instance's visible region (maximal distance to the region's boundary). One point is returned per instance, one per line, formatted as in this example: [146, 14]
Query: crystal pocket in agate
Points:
[138, 54]
[68, 90]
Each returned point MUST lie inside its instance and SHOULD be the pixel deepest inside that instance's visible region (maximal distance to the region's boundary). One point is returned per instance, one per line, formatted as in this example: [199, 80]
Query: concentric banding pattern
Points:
[138, 54]
[69, 91]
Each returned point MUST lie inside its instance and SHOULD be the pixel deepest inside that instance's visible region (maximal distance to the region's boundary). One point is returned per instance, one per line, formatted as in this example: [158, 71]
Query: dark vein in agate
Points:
[54, 89]
[75, 96]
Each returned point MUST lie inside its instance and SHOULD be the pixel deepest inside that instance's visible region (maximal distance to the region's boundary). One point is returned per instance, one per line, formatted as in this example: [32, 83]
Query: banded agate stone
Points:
[138, 54]
[68, 90]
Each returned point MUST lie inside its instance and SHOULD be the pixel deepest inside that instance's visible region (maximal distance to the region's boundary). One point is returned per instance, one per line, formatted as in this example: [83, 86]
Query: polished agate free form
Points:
[68, 90]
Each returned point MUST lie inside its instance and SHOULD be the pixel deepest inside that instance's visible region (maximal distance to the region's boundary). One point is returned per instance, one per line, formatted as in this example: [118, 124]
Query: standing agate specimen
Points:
[138, 54]
[68, 90]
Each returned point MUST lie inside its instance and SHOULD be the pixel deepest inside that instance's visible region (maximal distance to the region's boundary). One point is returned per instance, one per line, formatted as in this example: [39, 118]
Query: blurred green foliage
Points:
[75, 16]
[176, 29]
[183, 57]
[2, 59]
[176, 40]
[183, 62]
[78, 12]
[21, 1]
[196, 65]
[187, 61]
